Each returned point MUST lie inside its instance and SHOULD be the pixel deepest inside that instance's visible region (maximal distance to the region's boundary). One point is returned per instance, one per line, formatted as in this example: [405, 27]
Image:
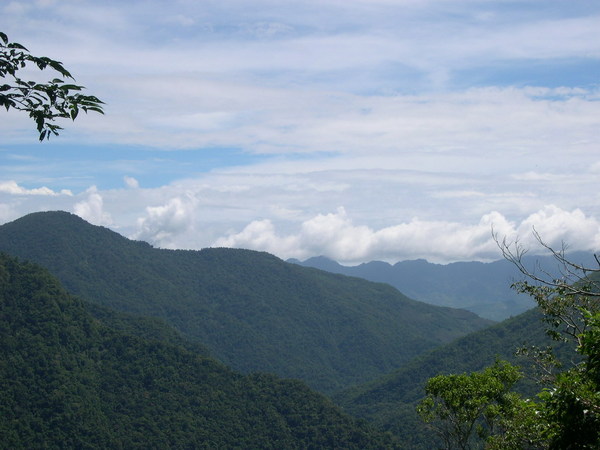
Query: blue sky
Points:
[359, 130]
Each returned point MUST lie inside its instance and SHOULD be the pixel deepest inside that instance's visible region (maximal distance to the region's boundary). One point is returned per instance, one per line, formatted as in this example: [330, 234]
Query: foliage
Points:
[520, 427]
[253, 311]
[44, 102]
[457, 406]
[570, 402]
[69, 380]
[391, 401]
[571, 405]
[567, 412]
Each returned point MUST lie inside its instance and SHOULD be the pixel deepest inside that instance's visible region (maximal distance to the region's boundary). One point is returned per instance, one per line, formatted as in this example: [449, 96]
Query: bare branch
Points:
[575, 278]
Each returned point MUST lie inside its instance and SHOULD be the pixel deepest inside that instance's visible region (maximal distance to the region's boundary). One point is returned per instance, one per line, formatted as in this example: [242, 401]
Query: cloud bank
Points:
[334, 235]
[358, 130]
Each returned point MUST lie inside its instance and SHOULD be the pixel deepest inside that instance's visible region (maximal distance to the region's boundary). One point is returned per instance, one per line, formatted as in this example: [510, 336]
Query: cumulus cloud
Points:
[428, 126]
[92, 208]
[162, 225]
[557, 226]
[11, 187]
[336, 236]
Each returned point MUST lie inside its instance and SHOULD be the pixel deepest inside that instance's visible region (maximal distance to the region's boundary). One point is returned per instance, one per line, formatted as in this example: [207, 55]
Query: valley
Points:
[149, 328]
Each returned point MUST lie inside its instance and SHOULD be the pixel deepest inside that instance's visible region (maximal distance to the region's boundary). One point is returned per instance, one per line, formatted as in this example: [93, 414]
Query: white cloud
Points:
[164, 224]
[572, 228]
[16, 8]
[336, 236]
[419, 117]
[11, 187]
[180, 19]
[131, 182]
[305, 92]
[284, 216]
[260, 235]
[92, 208]
[475, 123]
[535, 176]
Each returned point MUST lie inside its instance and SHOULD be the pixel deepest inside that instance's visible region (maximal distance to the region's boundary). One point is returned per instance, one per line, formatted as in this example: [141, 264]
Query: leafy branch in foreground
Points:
[45, 102]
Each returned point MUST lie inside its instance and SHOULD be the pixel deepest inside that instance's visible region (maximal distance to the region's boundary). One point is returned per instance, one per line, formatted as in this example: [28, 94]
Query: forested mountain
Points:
[483, 288]
[391, 400]
[71, 380]
[253, 311]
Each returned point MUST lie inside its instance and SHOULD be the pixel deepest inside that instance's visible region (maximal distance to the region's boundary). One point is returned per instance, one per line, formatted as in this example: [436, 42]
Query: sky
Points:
[359, 129]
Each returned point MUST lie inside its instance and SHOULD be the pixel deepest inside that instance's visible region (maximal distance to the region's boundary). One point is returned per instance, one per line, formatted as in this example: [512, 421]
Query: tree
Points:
[570, 400]
[44, 102]
[565, 301]
[463, 407]
[566, 413]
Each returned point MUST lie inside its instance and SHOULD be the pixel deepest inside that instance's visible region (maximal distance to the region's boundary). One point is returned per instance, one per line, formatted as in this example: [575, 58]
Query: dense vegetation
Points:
[391, 400]
[481, 409]
[69, 380]
[469, 393]
[253, 311]
[483, 288]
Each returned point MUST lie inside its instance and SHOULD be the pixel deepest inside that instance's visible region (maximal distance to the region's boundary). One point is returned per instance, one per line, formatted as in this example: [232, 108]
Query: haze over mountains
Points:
[252, 311]
[483, 288]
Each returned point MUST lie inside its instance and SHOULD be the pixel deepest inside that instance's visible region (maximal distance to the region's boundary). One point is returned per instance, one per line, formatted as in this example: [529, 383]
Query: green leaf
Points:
[15, 45]
[57, 65]
[71, 87]
[43, 102]
[93, 108]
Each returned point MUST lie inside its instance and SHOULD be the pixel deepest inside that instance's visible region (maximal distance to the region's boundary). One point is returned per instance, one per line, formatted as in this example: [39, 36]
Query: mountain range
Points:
[252, 311]
[169, 348]
[73, 379]
[483, 288]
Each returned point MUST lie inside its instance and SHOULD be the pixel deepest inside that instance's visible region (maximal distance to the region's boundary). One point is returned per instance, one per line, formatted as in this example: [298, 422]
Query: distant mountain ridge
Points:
[483, 288]
[252, 311]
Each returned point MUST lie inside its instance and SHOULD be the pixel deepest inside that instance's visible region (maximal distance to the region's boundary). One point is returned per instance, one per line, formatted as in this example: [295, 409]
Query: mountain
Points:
[483, 288]
[390, 401]
[70, 380]
[252, 311]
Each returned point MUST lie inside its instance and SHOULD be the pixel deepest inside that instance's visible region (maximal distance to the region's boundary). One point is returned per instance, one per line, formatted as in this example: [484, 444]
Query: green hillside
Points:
[253, 311]
[390, 401]
[69, 380]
